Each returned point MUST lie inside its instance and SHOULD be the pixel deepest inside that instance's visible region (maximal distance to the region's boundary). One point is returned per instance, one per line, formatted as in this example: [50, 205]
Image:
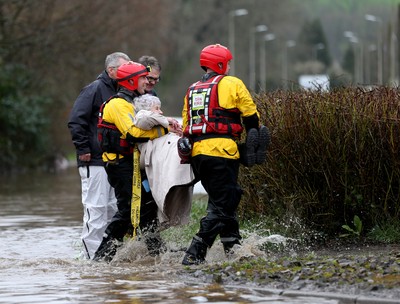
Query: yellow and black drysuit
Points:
[214, 110]
[117, 136]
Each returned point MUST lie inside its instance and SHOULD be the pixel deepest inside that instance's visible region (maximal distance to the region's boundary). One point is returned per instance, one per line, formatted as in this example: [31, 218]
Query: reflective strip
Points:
[190, 120]
[197, 238]
[228, 239]
[159, 132]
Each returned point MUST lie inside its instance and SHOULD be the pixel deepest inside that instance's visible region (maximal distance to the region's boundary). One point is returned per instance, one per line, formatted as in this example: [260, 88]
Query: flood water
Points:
[40, 225]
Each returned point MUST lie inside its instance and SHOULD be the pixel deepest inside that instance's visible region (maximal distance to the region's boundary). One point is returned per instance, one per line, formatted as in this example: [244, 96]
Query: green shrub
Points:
[354, 230]
[333, 155]
[386, 232]
[24, 139]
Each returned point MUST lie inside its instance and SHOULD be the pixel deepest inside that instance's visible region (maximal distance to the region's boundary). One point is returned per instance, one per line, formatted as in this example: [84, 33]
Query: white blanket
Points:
[170, 181]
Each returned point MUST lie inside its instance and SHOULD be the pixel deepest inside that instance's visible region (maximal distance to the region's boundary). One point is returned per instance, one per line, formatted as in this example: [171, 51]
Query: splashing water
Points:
[135, 251]
[251, 246]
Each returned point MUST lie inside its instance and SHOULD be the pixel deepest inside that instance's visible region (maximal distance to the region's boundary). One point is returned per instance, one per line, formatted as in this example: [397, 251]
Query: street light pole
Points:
[232, 15]
[393, 40]
[358, 58]
[288, 44]
[371, 48]
[373, 18]
[263, 65]
[252, 63]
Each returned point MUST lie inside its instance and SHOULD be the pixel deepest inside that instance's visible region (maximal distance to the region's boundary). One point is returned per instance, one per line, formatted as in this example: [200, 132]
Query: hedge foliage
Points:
[333, 155]
[24, 136]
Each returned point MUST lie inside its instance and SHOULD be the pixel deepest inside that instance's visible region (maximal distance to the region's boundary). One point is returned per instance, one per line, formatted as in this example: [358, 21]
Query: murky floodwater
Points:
[40, 225]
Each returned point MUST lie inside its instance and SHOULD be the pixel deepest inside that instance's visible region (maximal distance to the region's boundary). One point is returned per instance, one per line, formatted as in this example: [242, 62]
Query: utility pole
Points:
[397, 57]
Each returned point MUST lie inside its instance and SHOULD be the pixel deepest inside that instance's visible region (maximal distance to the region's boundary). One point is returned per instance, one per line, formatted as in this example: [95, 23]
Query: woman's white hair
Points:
[146, 102]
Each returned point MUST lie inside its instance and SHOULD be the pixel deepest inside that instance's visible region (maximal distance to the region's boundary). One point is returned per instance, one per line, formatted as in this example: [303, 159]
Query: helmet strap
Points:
[134, 74]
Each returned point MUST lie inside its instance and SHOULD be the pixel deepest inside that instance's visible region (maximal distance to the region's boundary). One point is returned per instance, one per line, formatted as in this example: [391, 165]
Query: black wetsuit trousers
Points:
[120, 178]
[219, 178]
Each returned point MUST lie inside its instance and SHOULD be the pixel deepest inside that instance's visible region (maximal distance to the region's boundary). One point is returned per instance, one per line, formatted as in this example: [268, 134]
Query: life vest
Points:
[206, 119]
[109, 136]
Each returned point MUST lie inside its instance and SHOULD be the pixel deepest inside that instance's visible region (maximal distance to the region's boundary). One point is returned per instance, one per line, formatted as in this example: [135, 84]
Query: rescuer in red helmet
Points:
[118, 136]
[214, 112]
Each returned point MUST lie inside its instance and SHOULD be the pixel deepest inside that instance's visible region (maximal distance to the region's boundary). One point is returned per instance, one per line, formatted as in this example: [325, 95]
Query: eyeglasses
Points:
[153, 79]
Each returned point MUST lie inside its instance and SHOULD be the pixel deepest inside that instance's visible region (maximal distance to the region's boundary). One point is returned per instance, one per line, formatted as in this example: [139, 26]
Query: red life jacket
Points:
[109, 136]
[206, 119]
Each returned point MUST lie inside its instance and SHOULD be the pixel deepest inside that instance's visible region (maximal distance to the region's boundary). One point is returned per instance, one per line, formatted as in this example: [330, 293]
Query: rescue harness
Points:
[206, 118]
[109, 136]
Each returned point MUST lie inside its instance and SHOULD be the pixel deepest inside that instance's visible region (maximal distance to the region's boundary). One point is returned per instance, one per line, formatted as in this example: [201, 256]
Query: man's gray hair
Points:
[112, 60]
[150, 61]
[146, 102]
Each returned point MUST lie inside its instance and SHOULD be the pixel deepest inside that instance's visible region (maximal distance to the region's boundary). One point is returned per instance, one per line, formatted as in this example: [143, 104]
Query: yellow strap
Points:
[136, 191]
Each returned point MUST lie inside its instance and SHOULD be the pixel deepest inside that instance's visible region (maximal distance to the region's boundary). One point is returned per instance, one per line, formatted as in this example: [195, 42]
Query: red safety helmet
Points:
[215, 57]
[129, 73]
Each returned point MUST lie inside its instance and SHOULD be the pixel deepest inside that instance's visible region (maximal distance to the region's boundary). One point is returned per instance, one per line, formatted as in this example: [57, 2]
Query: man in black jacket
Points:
[98, 198]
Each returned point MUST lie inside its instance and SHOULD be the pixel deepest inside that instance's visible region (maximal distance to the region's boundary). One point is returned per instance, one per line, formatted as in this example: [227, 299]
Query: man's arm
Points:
[79, 120]
[120, 113]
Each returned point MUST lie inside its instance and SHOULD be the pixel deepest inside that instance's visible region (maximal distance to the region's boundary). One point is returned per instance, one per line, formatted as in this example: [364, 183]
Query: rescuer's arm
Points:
[120, 112]
[234, 90]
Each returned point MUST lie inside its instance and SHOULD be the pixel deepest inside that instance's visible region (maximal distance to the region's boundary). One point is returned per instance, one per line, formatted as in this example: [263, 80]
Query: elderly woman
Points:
[148, 114]
[170, 181]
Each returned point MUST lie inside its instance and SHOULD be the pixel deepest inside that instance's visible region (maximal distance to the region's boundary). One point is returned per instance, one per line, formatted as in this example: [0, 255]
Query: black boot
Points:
[196, 252]
[155, 245]
[247, 150]
[151, 233]
[264, 140]
[106, 250]
[229, 245]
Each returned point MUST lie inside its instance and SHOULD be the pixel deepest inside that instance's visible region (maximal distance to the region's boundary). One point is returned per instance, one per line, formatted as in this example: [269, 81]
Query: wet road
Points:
[40, 225]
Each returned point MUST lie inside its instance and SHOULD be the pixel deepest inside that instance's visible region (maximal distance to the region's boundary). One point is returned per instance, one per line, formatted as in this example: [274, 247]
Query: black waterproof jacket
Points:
[83, 119]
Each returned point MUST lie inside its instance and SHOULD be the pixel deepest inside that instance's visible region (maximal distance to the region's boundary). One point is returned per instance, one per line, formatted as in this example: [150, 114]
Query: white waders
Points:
[99, 206]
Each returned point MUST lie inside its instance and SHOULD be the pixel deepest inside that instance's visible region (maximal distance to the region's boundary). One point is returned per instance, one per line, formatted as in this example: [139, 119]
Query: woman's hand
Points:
[175, 126]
